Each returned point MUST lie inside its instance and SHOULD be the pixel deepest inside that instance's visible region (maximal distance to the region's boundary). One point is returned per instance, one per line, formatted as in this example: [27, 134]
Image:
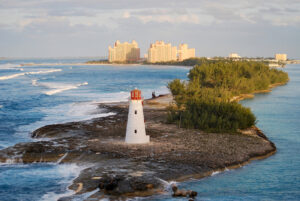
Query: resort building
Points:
[234, 55]
[161, 52]
[185, 53]
[281, 57]
[123, 52]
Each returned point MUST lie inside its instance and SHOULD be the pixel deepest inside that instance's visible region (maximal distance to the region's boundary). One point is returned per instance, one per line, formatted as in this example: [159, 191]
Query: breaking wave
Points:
[11, 76]
[66, 171]
[64, 87]
[28, 73]
[63, 113]
[9, 66]
[215, 173]
[56, 87]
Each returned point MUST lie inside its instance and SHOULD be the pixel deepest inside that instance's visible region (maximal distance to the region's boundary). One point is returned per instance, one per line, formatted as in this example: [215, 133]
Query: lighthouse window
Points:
[135, 131]
[135, 112]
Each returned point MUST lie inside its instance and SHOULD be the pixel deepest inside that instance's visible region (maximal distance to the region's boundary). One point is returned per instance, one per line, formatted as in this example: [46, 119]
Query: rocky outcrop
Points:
[119, 169]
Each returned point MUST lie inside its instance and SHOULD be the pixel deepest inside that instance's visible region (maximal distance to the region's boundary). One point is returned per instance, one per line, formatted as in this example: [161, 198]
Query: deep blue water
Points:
[32, 100]
[34, 96]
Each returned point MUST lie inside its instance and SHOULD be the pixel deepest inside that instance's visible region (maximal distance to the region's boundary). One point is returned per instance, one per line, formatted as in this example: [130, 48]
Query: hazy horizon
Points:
[76, 28]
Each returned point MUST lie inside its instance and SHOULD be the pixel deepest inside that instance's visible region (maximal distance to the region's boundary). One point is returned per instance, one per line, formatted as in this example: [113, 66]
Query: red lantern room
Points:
[136, 94]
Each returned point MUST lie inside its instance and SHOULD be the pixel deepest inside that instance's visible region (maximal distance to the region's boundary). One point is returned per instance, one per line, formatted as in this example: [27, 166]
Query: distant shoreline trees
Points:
[203, 102]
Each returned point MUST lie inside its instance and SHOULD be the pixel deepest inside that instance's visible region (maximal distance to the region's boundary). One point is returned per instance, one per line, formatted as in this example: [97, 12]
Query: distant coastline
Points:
[252, 95]
[199, 60]
[188, 62]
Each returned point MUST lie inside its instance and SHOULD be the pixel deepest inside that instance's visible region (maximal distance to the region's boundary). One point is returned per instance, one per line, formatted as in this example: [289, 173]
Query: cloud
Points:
[104, 21]
[126, 14]
[173, 19]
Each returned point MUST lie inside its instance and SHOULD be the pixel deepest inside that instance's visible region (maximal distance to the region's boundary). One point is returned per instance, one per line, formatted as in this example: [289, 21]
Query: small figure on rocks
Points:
[153, 94]
[183, 193]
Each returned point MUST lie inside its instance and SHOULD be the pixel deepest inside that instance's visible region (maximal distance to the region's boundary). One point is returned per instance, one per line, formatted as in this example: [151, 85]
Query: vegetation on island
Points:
[105, 61]
[187, 62]
[205, 100]
[200, 60]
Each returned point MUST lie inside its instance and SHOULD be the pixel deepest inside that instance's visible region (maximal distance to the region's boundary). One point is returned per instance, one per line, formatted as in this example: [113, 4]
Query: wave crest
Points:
[9, 66]
[29, 73]
[57, 87]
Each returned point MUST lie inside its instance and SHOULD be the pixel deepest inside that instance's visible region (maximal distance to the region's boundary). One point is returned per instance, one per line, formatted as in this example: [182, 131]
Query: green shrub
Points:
[204, 101]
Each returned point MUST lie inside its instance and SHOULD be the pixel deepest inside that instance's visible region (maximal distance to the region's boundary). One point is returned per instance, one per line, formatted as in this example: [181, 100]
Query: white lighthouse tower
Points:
[135, 131]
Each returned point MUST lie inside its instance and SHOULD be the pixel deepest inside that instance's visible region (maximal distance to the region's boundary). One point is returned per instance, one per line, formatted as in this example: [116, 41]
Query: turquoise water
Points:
[33, 96]
[274, 178]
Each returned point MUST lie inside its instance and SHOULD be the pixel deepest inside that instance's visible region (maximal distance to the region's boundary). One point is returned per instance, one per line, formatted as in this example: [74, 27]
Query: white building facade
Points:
[135, 130]
[124, 52]
[161, 52]
[185, 53]
[281, 57]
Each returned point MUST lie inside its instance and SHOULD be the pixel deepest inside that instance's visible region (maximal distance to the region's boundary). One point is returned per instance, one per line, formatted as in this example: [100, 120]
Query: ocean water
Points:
[274, 178]
[33, 96]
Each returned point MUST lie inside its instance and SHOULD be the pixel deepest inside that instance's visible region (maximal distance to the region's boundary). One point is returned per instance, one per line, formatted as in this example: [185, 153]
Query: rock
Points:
[120, 184]
[125, 187]
[183, 193]
[110, 183]
[120, 169]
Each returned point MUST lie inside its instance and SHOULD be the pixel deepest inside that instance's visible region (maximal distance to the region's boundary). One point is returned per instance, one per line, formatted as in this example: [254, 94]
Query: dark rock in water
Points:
[109, 183]
[119, 184]
[183, 193]
[193, 194]
[122, 170]
[124, 186]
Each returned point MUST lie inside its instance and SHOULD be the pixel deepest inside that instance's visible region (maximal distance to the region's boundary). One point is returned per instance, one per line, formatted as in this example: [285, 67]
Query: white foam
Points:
[68, 172]
[1, 106]
[62, 158]
[167, 185]
[28, 73]
[43, 72]
[9, 66]
[62, 87]
[85, 195]
[65, 113]
[215, 173]
[12, 161]
[11, 76]
[34, 82]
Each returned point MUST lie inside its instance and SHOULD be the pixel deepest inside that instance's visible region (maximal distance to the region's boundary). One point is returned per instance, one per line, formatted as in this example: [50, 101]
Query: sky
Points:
[72, 28]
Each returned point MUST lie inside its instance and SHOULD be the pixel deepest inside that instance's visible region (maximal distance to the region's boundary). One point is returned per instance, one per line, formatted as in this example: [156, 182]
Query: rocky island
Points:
[117, 170]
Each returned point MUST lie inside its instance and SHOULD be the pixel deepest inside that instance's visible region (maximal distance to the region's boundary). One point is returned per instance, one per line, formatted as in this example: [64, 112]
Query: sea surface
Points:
[274, 178]
[38, 95]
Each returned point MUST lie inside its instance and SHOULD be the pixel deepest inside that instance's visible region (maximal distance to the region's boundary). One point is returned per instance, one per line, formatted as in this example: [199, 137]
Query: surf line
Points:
[28, 73]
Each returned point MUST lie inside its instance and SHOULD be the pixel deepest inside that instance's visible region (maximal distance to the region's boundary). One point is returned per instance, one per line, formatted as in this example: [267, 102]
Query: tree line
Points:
[204, 101]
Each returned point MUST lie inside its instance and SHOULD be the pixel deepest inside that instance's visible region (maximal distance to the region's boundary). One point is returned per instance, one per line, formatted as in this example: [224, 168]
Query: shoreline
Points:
[252, 95]
[170, 147]
[94, 64]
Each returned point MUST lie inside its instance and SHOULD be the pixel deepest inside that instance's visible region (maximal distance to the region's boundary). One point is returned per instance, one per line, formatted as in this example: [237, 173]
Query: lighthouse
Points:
[135, 130]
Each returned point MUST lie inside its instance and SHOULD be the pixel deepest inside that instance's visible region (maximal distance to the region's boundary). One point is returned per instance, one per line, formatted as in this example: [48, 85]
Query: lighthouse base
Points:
[137, 139]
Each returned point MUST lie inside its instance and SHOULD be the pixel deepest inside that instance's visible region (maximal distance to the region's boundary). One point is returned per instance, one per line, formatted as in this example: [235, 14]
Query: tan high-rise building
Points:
[185, 53]
[234, 56]
[122, 52]
[162, 52]
[281, 57]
